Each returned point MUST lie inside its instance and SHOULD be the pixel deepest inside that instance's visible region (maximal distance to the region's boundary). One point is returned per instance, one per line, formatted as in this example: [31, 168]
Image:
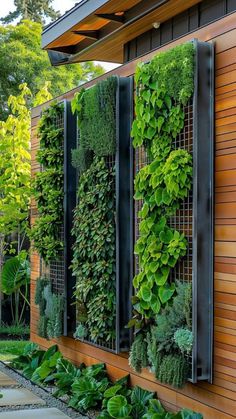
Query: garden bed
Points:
[87, 390]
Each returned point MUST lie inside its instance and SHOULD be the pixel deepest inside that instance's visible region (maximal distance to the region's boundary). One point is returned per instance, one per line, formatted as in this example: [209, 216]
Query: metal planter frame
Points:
[203, 212]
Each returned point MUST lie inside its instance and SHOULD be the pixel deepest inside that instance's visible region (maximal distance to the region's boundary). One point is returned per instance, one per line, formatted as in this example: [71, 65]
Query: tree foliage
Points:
[23, 61]
[35, 10]
[15, 161]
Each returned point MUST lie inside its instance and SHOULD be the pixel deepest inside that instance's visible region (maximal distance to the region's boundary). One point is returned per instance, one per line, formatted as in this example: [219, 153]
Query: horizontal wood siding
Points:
[217, 401]
[190, 20]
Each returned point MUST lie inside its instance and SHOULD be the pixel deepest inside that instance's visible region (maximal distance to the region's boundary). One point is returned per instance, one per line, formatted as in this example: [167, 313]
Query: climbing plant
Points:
[164, 86]
[48, 185]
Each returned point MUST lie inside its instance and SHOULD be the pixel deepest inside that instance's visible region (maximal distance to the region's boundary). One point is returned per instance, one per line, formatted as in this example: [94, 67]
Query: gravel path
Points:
[40, 392]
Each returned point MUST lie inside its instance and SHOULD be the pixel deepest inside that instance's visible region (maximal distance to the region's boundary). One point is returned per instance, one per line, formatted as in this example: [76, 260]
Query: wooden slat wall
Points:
[217, 400]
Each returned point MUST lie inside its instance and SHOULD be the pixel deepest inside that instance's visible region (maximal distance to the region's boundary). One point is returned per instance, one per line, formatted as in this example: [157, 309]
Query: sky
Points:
[7, 6]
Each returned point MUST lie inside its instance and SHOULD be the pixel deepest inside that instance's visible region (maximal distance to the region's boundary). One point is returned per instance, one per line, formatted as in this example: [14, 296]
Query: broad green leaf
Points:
[145, 293]
[118, 407]
[165, 292]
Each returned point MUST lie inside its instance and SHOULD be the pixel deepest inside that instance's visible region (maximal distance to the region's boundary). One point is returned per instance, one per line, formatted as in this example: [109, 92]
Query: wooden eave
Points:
[98, 29]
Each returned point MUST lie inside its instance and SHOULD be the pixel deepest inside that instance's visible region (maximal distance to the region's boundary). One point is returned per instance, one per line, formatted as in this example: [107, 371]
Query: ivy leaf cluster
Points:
[48, 185]
[93, 261]
[164, 86]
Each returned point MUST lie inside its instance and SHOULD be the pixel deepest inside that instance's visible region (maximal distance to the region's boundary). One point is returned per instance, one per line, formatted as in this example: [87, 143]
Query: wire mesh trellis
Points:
[182, 221]
[195, 217]
[55, 270]
[110, 344]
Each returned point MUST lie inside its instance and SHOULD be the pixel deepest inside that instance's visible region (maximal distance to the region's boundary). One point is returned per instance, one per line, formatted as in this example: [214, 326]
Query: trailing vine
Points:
[48, 186]
[164, 86]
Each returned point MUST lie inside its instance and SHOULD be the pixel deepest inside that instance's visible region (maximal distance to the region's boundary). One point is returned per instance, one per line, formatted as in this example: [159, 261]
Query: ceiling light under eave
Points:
[156, 25]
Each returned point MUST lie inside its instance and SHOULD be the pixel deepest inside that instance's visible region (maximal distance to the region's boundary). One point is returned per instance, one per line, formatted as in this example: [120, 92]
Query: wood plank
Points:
[225, 79]
[226, 58]
[225, 197]
[225, 210]
[225, 178]
[225, 137]
[225, 163]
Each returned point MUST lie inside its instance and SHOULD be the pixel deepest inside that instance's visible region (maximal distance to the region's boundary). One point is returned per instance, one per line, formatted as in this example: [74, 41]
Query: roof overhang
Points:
[98, 29]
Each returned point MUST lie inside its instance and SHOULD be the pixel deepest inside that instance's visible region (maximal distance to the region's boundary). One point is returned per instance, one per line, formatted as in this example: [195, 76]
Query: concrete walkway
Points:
[19, 402]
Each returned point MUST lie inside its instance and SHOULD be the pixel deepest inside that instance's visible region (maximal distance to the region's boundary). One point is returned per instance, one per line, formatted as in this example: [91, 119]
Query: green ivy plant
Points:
[93, 261]
[164, 86]
[48, 186]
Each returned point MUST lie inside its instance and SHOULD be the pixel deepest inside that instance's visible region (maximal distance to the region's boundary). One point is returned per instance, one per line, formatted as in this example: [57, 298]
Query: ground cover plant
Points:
[90, 387]
[11, 349]
[14, 330]
[163, 332]
[93, 262]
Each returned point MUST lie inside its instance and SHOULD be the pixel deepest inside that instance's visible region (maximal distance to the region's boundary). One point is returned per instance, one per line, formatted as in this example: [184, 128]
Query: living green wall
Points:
[162, 306]
[93, 262]
[48, 185]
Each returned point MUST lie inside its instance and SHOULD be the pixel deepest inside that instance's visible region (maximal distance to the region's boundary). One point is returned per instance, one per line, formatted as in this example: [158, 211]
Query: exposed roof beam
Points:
[79, 12]
[111, 16]
[88, 34]
[139, 14]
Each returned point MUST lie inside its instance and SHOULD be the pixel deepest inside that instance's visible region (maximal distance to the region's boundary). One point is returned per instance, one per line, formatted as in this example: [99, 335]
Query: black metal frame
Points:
[203, 208]
[124, 211]
[69, 205]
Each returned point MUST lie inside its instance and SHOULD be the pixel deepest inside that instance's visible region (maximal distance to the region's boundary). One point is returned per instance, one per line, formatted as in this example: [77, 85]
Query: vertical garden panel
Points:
[117, 170]
[57, 269]
[194, 217]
